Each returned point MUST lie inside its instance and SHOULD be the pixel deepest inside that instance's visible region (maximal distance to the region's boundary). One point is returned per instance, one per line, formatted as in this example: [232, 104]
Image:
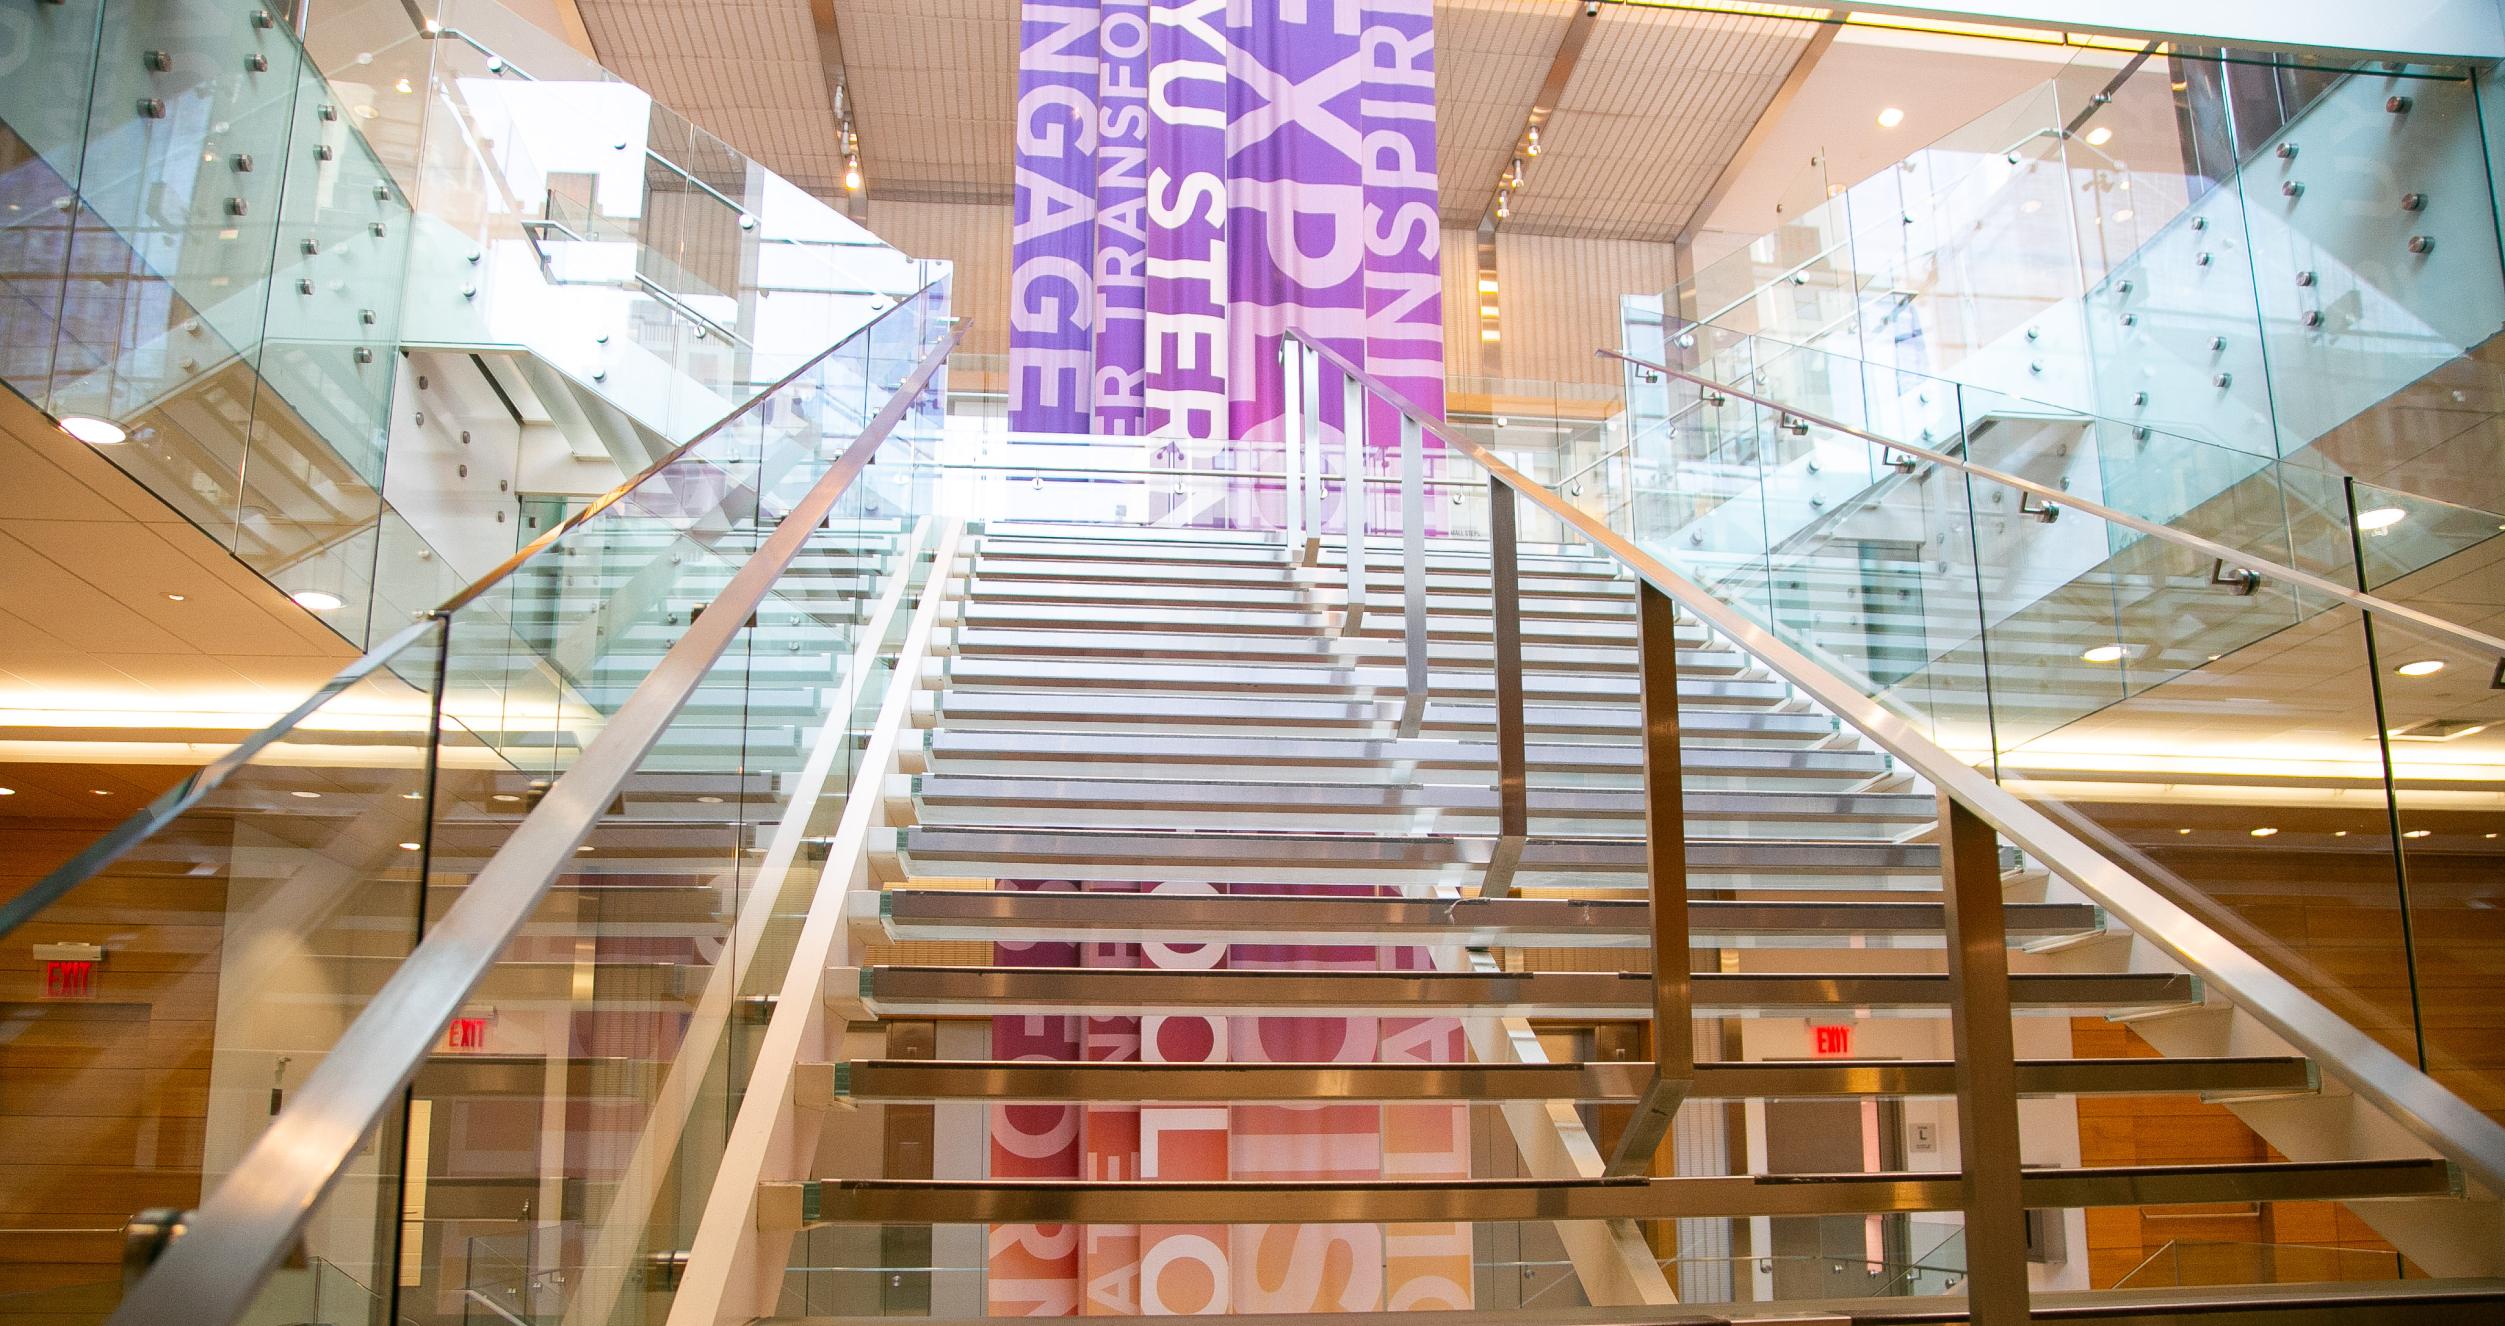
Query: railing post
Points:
[1292, 439]
[1413, 573]
[1987, 1073]
[1352, 496]
[1310, 384]
[1504, 591]
[1665, 870]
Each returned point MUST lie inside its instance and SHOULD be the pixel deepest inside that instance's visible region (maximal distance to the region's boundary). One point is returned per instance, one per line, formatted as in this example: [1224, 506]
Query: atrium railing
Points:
[221, 230]
[509, 852]
[1930, 727]
[2092, 658]
[2261, 255]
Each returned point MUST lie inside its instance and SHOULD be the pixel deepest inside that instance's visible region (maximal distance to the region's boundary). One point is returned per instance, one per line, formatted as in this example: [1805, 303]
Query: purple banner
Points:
[1196, 176]
[1052, 301]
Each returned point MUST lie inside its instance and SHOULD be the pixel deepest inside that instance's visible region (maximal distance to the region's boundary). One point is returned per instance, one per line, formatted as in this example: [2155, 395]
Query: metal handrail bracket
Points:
[244, 1229]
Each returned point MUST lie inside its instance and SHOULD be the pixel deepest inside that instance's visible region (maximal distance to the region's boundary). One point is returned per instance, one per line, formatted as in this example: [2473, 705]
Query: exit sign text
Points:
[1831, 1042]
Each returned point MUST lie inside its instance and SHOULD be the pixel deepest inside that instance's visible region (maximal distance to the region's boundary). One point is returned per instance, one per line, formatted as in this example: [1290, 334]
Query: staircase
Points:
[1179, 709]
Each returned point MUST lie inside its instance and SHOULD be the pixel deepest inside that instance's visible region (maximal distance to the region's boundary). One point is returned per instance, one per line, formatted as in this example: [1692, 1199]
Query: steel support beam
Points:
[1413, 574]
[1294, 364]
[987, 915]
[1979, 992]
[1111, 1083]
[1081, 1202]
[906, 991]
[1352, 500]
[1504, 589]
[1665, 870]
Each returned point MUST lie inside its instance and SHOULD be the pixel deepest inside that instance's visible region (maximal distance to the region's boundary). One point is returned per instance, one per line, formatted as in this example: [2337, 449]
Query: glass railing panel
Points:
[2443, 715]
[186, 142]
[43, 107]
[2376, 261]
[198, 964]
[376, 60]
[634, 995]
[2169, 307]
[2215, 248]
[2237, 771]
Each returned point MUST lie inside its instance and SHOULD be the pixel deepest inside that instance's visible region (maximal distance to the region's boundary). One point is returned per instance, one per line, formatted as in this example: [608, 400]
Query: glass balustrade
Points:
[567, 1119]
[217, 237]
[2315, 781]
[2292, 260]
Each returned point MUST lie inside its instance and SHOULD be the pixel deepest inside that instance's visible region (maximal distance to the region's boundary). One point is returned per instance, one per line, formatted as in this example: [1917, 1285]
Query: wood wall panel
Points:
[103, 1102]
[2181, 1130]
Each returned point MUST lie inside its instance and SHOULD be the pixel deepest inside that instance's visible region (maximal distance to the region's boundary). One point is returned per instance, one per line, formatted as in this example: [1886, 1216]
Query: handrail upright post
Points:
[1987, 1071]
[1665, 869]
[1504, 590]
[1352, 497]
[1413, 574]
[1292, 437]
[1310, 384]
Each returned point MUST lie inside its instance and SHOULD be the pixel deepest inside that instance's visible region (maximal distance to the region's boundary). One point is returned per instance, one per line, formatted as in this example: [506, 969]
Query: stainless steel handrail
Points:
[2235, 558]
[2432, 1114]
[245, 1228]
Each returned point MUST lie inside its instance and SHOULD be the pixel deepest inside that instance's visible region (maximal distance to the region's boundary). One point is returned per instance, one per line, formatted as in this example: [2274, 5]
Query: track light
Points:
[852, 174]
[1532, 146]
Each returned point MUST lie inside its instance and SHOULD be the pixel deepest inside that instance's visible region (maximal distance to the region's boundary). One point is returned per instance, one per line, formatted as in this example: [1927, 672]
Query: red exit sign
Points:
[1831, 1042]
[466, 1034]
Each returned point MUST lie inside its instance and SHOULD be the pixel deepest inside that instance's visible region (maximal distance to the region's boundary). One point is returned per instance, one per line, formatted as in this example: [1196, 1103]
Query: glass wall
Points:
[217, 238]
[2290, 260]
[565, 1124]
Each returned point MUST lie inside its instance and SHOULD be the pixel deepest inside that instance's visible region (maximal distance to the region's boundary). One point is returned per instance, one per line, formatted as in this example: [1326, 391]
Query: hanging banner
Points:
[1194, 178]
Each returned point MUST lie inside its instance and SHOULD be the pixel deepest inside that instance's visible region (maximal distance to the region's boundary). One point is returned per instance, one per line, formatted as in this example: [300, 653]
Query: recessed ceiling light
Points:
[99, 792]
[1891, 117]
[176, 598]
[504, 796]
[309, 796]
[2417, 833]
[2424, 667]
[2100, 135]
[413, 796]
[2382, 517]
[93, 431]
[11, 791]
[315, 599]
[584, 848]
[709, 801]
[2124, 215]
[2342, 833]
[2183, 831]
[2105, 654]
[408, 847]
[1487, 285]
[2264, 832]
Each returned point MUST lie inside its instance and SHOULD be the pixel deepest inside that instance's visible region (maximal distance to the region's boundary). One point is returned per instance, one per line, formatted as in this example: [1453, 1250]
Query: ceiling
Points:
[95, 653]
[1656, 108]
